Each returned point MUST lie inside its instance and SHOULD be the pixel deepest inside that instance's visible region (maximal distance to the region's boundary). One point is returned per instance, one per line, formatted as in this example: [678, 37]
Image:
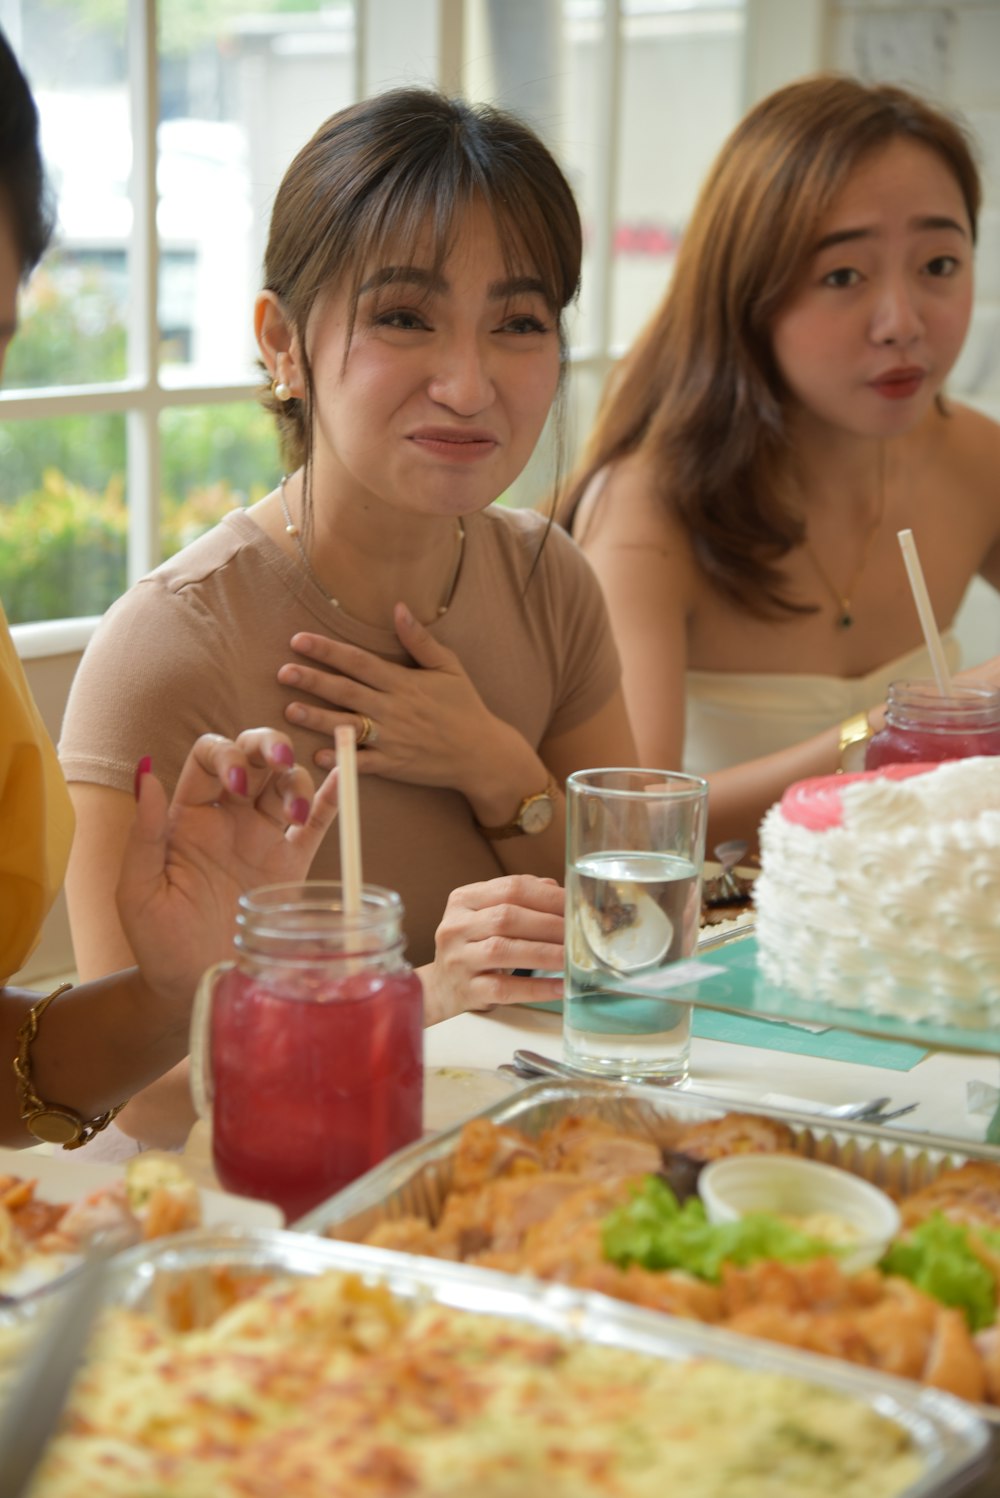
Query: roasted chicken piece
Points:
[879, 1321]
[486, 1151]
[598, 1151]
[735, 1134]
[969, 1194]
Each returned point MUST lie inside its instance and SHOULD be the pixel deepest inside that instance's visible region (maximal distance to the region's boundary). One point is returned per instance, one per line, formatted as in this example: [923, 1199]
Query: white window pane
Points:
[401, 44]
[73, 313]
[681, 96]
[240, 94]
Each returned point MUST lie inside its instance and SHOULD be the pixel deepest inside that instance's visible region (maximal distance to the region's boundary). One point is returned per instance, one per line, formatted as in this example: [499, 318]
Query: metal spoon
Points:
[36, 1401]
[729, 854]
[533, 1064]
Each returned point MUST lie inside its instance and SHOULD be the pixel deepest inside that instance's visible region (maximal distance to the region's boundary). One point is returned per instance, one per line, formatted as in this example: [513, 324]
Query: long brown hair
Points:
[699, 394]
[375, 176]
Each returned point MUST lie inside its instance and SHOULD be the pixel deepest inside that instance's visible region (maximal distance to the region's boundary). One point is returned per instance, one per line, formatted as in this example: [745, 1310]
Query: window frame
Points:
[142, 397]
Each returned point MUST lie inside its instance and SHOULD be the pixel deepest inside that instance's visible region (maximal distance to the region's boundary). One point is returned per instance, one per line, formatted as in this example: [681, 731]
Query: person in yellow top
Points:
[243, 814]
[35, 813]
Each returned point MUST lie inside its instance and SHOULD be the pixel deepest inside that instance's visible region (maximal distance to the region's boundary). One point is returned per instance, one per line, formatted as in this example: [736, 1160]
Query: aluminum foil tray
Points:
[948, 1435]
[415, 1181]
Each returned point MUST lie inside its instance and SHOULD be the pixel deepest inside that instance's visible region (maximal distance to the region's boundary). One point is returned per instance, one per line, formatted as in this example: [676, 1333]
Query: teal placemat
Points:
[734, 984]
[734, 1002]
[833, 1045]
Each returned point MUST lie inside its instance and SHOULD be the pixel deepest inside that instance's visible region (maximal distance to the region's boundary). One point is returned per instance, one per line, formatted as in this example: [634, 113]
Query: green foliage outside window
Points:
[63, 516]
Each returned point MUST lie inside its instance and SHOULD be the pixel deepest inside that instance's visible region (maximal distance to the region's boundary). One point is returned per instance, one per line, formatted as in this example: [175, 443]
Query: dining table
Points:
[955, 1092]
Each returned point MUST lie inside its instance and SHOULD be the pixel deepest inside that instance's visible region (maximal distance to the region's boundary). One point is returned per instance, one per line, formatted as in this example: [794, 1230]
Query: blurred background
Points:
[129, 418]
[129, 421]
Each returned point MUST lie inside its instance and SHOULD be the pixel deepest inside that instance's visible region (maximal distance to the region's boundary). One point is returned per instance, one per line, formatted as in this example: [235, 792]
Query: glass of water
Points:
[635, 847]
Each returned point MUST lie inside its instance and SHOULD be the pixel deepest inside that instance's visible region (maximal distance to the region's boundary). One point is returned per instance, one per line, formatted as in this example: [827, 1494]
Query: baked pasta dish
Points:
[603, 1210]
[332, 1388]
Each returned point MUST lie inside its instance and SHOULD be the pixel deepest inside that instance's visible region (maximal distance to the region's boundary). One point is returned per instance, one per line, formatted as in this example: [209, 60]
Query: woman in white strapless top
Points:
[778, 422]
[730, 716]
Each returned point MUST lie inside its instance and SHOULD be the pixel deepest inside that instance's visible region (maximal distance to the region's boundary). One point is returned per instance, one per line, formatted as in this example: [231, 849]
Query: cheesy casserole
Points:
[328, 1387]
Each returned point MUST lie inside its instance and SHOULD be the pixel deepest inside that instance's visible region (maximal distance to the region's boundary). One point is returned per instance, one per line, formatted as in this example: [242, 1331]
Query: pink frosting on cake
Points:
[816, 803]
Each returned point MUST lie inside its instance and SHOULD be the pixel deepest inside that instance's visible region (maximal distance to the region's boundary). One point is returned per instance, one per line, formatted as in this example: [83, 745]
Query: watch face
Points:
[537, 815]
[54, 1125]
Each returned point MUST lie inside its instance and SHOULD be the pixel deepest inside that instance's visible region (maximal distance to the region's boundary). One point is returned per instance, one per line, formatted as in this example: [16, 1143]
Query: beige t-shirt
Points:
[195, 647]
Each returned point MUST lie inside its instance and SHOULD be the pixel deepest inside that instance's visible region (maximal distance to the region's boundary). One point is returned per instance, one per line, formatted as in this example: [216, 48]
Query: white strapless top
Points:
[732, 716]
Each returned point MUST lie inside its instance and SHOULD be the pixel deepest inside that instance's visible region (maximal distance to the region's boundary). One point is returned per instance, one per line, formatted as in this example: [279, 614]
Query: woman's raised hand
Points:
[488, 931]
[424, 724]
[243, 815]
[986, 674]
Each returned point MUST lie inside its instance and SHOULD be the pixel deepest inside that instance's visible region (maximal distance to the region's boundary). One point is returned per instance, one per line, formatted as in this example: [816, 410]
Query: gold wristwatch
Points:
[854, 735]
[532, 816]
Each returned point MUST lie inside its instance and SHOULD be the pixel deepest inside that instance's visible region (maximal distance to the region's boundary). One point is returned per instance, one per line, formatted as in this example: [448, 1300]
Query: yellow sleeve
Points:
[36, 815]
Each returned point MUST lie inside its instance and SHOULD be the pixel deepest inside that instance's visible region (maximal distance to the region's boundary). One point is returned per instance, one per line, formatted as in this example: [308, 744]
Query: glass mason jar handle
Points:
[202, 1087]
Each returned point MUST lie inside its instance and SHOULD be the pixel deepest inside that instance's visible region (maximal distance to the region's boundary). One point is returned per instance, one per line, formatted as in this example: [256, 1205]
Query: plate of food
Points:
[52, 1209]
[282, 1363]
[599, 1188]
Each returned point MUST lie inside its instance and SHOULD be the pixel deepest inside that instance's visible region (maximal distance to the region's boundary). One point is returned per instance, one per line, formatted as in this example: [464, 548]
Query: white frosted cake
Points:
[881, 892]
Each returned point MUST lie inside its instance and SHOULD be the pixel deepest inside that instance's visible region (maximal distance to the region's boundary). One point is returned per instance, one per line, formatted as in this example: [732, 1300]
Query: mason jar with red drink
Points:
[924, 725]
[307, 1048]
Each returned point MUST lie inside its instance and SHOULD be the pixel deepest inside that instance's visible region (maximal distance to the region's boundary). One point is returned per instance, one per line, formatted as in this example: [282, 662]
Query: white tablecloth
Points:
[462, 1054]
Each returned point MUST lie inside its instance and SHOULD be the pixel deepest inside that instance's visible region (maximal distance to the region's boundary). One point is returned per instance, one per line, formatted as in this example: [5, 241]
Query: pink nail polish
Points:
[236, 780]
[144, 767]
[283, 754]
[300, 810]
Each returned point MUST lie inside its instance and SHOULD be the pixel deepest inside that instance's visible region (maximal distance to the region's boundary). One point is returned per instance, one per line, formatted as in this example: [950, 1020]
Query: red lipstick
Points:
[899, 384]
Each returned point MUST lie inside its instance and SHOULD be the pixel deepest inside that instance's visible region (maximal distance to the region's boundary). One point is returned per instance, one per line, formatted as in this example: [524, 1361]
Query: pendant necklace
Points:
[844, 617]
[291, 529]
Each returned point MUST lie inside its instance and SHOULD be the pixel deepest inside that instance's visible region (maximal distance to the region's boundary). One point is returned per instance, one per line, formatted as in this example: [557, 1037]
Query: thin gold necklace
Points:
[844, 617]
[291, 529]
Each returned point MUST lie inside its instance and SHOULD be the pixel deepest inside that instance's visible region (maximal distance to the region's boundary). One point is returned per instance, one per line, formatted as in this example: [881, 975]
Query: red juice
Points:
[897, 745]
[312, 1087]
[923, 725]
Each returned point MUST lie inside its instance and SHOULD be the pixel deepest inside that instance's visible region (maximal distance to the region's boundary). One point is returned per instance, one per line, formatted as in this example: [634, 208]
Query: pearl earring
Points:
[281, 390]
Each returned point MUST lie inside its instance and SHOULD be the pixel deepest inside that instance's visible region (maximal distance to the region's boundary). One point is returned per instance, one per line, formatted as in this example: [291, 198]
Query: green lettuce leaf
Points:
[937, 1258]
[653, 1230]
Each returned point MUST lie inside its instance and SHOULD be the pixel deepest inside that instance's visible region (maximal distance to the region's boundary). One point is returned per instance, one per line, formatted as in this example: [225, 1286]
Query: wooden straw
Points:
[348, 819]
[925, 612]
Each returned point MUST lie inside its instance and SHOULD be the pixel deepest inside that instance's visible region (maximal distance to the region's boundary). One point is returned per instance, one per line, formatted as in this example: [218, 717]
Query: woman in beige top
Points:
[776, 424]
[420, 257]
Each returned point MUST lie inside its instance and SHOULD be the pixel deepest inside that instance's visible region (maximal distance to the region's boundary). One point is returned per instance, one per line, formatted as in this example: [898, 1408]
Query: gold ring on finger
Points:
[367, 733]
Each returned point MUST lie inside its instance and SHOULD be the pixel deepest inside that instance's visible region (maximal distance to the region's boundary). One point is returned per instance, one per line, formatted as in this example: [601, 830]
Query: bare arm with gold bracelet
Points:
[243, 814]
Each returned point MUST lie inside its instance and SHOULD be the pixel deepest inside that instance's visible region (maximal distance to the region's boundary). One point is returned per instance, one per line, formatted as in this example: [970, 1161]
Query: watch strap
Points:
[52, 1123]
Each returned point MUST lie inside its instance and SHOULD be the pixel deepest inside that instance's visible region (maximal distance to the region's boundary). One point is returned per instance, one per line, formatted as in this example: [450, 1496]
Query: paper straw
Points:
[348, 819]
[926, 613]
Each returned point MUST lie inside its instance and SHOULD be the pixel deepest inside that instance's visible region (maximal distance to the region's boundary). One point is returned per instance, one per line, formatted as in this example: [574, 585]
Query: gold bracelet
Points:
[50, 1122]
[854, 735]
